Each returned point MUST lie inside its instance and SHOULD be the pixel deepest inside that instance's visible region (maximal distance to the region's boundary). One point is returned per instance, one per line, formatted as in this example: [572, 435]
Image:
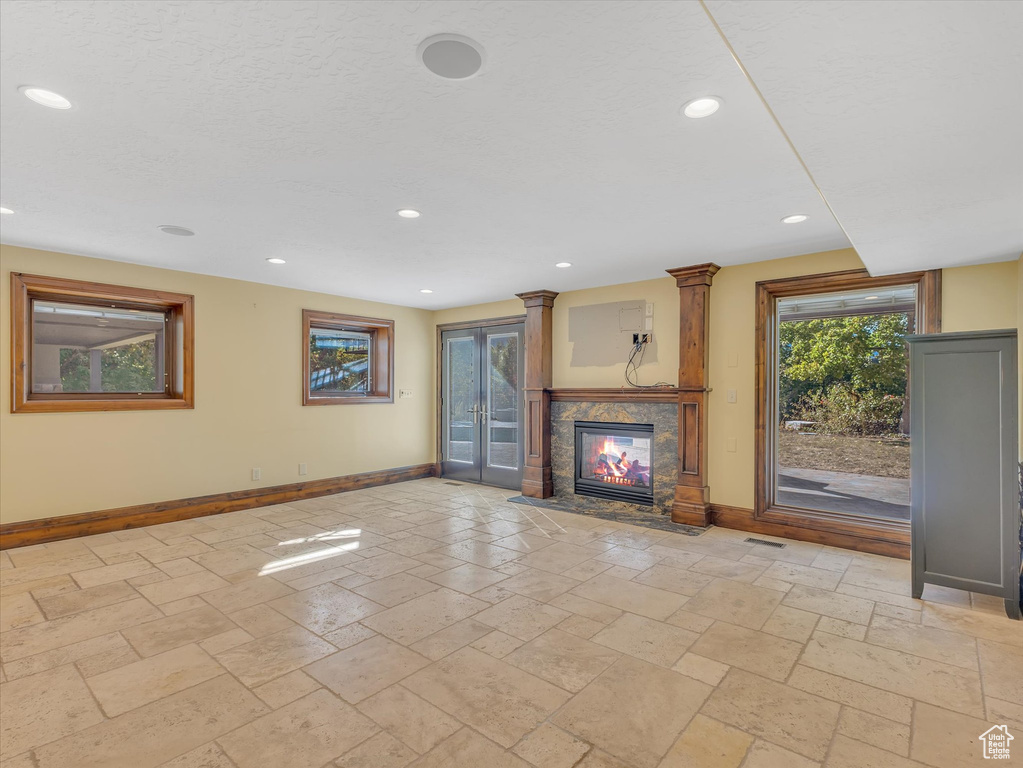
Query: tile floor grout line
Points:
[834, 735]
[219, 746]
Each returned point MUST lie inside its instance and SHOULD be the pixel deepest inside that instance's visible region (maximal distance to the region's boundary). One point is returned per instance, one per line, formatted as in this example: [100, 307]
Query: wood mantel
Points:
[692, 495]
[537, 479]
[616, 395]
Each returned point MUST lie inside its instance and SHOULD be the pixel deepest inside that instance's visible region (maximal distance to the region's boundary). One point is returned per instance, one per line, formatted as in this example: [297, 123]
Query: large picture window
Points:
[347, 359]
[832, 403]
[82, 346]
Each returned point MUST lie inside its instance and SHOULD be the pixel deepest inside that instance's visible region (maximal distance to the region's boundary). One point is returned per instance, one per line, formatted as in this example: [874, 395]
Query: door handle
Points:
[475, 411]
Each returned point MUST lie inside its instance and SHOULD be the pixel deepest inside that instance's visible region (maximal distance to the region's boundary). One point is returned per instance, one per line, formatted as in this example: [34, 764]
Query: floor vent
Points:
[766, 543]
[458, 485]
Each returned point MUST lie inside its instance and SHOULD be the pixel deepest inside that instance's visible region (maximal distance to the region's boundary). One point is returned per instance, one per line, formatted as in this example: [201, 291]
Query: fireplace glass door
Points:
[614, 461]
[481, 404]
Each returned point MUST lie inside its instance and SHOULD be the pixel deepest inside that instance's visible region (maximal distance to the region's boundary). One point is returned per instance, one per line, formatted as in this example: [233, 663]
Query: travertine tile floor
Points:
[433, 625]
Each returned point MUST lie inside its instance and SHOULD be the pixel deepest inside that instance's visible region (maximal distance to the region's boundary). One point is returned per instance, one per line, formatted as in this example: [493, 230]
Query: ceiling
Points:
[296, 129]
[909, 116]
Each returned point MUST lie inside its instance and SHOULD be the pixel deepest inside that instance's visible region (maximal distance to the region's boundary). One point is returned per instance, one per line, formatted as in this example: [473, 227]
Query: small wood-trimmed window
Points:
[346, 359]
[83, 346]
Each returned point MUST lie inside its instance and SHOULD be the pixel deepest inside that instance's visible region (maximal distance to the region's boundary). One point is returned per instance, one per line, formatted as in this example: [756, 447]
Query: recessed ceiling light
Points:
[172, 229]
[795, 218]
[45, 97]
[705, 106]
[409, 213]
[5, 211]
[277, 261]
[563, 264]
[871, 298]
[453, 57]
[425, 290]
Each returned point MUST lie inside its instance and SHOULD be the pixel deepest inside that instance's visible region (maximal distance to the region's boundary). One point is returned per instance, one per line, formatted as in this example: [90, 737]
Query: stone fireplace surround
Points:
[663, 415]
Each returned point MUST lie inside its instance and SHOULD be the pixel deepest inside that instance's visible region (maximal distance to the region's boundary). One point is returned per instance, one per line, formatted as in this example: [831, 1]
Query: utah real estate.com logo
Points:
[995, 742]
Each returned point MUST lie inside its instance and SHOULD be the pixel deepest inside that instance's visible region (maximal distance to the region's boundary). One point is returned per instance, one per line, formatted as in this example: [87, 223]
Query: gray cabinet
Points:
[964, 477]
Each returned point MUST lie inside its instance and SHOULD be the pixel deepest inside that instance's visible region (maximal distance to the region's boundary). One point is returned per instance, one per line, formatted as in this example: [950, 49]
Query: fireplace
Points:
[614, 461]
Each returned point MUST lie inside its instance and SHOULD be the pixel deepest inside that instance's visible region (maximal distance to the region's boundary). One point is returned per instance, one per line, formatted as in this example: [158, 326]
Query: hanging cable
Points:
[632, 368]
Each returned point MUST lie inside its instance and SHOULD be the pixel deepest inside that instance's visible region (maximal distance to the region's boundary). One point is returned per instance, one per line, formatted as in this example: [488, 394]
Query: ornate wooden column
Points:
[537, 481]
[692, 495]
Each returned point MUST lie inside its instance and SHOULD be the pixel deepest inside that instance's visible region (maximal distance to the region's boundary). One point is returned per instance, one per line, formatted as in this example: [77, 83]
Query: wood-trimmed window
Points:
[346, 359]
[84, 346]
[927, 319]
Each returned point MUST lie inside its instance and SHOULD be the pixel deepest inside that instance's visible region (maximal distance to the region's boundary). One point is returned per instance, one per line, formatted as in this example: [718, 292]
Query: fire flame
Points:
[609, 449]
[617, 472]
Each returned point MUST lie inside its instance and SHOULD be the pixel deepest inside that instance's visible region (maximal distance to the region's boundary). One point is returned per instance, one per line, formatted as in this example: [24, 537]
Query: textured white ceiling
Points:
[908, 114]
[296, 129]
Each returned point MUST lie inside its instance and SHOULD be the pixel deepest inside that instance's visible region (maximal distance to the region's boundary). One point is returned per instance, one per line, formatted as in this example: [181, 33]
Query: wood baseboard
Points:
[692, 514]
[690, 505]
[537, 482]
[743, 519]
[88, 523]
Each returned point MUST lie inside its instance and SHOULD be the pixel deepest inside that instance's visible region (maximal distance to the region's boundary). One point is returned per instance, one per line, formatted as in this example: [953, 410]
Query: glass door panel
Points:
[481, 404]
[503, 412]
[460, 399]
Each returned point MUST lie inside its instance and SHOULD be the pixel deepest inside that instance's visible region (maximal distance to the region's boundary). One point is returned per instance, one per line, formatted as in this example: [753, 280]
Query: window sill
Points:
[93, 405]
[878, 528]
[352, 400]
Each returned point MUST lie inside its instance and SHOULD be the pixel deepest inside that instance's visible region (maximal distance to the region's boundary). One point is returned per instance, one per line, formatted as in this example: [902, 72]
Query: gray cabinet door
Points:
[965, 502]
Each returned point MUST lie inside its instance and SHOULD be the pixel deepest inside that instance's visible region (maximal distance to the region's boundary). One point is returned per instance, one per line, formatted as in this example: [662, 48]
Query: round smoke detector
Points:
[453, 57]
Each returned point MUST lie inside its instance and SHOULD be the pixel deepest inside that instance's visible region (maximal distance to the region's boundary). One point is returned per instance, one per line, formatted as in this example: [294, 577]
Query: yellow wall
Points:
[248, 398]
[980, 298]
[662, 292]
[248, 408]
[508, 308]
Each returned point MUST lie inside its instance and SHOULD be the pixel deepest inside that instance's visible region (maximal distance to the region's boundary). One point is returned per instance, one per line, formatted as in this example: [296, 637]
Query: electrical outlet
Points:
[642, 338]
[649, 309]
[730, 445]
[404, 393]
[302, 469]
[257, 473]
[731, 396]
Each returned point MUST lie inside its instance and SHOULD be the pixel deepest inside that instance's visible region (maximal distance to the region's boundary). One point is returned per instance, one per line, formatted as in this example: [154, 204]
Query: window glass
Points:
[90, 348]
[503, 400]
[842, 410]
[339, 362]
[461, 398]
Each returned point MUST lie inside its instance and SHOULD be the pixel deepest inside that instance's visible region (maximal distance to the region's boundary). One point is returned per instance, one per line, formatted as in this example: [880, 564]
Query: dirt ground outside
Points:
[879, 457]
